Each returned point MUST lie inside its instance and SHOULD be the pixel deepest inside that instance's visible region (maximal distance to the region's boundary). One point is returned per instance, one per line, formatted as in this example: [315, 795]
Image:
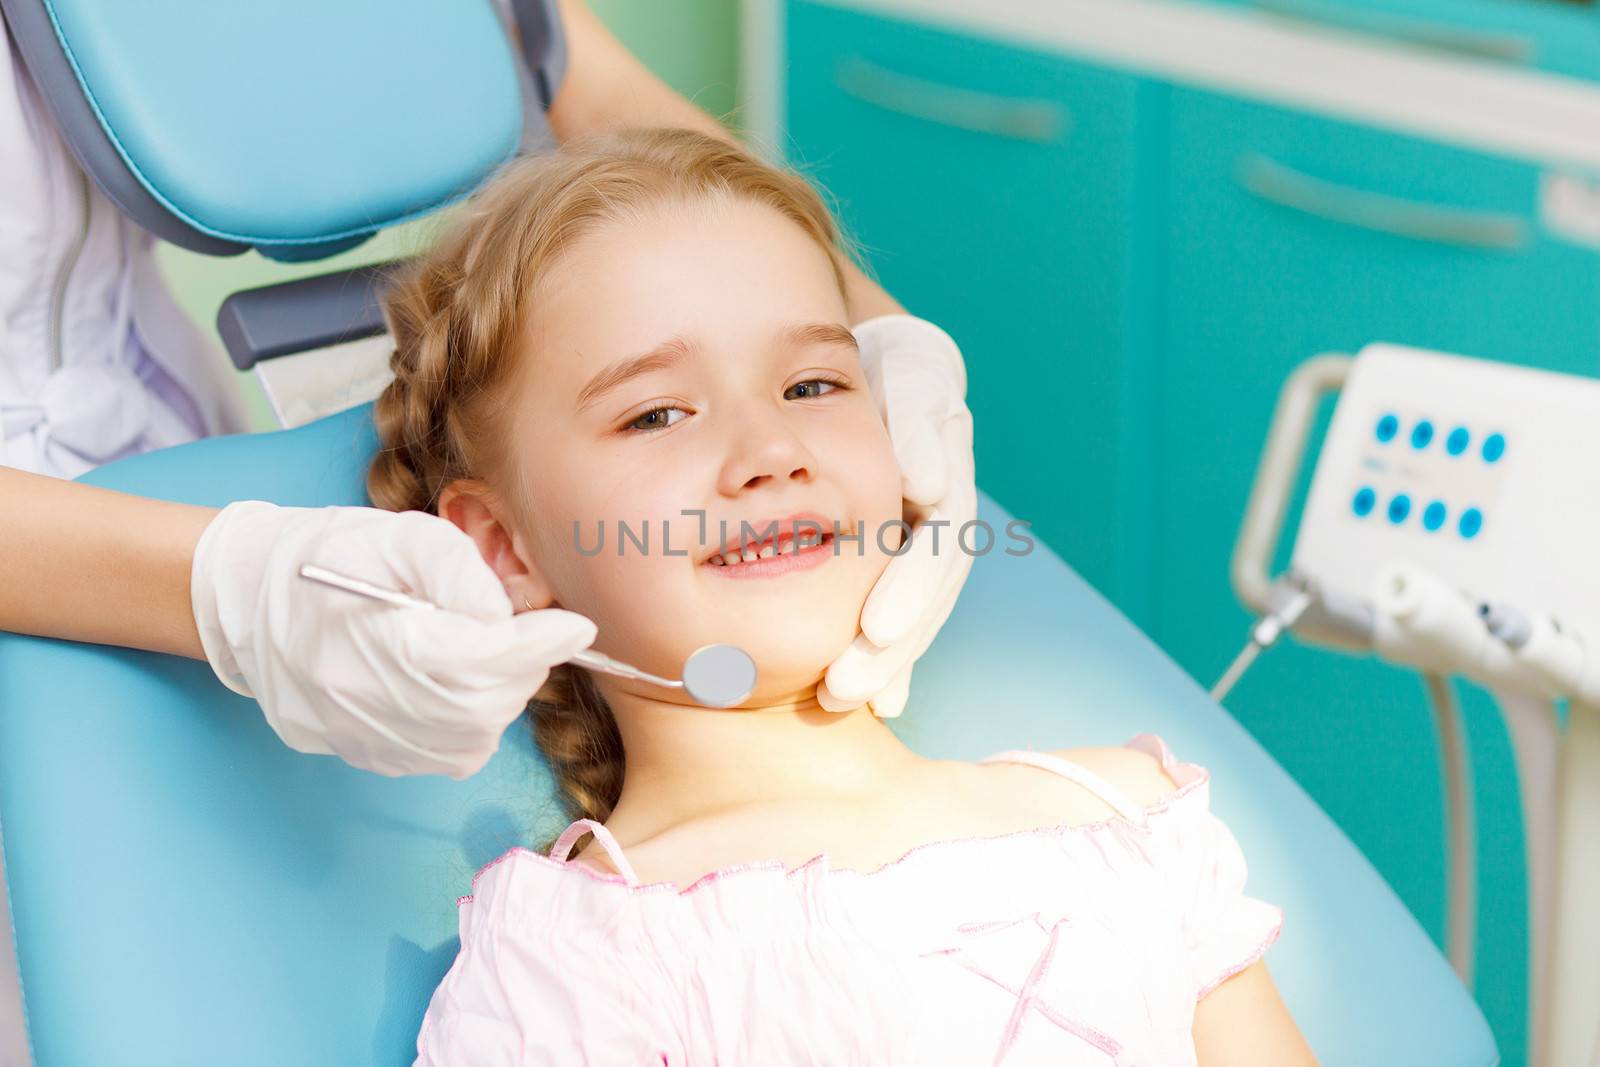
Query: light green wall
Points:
[693, 45]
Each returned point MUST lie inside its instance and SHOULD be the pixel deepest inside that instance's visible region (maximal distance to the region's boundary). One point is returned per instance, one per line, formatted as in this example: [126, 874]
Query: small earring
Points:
[527, 605]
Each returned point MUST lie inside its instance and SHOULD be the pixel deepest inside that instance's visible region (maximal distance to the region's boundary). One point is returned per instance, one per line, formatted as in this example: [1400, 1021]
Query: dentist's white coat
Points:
[97, 361]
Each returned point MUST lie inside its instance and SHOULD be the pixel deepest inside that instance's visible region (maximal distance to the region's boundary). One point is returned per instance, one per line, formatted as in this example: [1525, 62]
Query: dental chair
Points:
[184, 889]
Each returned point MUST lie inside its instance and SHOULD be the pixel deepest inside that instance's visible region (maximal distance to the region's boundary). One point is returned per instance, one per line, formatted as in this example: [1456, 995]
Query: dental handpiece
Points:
[1288, 599]
[716, 676]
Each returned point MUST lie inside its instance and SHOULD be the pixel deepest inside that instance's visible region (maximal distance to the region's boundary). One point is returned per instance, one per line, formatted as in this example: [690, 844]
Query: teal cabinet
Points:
[1290, 235]
[993, 190]
[1549, 35]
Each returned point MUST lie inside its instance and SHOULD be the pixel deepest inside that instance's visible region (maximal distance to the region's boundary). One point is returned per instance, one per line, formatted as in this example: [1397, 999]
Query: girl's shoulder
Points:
[1136, 804]
[1125, 833]
[1094, 784]
[1137, 791]
[1137, 771]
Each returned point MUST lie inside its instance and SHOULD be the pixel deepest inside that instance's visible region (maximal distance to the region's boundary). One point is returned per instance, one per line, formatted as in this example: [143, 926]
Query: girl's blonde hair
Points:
[455, 314]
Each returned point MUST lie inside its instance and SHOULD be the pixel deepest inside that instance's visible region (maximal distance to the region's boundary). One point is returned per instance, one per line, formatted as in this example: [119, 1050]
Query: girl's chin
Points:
[801, 699]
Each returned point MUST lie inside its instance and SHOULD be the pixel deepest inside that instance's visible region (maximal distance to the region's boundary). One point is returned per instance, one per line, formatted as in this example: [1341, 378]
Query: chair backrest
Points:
[187, 890]
[300, 127]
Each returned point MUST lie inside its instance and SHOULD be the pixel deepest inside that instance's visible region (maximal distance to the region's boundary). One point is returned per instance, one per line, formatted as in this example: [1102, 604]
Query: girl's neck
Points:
[685, 763]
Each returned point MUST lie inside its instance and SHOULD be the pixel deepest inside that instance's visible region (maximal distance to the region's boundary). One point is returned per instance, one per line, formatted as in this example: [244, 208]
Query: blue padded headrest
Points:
[188, 891]
[299, 127]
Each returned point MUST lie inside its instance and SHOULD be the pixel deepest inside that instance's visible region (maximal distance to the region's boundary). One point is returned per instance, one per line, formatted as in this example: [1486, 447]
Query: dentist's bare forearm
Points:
[88, 564]
[867, 299]
[606, 87]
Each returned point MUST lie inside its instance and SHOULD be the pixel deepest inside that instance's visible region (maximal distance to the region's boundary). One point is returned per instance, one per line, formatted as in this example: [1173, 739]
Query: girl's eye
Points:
[654, 419]
[835, 383]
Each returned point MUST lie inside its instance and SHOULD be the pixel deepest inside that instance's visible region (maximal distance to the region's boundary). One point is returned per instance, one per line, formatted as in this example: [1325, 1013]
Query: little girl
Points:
[651, 330]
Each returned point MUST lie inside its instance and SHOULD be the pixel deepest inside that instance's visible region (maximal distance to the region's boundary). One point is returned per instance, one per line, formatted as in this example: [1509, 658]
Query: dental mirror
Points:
[715, 676]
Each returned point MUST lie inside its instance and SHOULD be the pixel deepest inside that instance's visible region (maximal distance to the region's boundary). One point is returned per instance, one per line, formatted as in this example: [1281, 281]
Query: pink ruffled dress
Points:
[1085, 944]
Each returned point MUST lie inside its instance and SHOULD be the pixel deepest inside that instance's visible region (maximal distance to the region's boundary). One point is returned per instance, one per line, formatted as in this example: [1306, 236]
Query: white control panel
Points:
[1483, 473]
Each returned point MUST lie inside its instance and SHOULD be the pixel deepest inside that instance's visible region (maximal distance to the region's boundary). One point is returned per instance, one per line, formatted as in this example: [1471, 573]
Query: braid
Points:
[575, 729]
[418, 457]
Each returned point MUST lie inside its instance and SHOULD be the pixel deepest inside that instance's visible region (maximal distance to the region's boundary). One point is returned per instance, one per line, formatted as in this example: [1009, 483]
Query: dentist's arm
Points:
[88, 564]
[390, 690]
[606, 86]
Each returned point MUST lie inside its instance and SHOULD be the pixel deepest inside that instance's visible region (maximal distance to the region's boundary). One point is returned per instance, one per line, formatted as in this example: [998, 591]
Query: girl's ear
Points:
[480, 515]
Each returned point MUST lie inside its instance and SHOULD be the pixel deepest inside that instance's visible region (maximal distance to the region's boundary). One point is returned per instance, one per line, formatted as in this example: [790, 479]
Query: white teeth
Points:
[748, 555]
[785, 547]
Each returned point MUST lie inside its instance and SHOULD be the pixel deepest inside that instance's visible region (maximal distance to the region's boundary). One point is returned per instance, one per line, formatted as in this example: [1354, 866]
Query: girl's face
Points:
[682, 375]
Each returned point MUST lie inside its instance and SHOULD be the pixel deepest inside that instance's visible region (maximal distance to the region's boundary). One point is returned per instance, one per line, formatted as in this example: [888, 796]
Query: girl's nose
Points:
[765, 447]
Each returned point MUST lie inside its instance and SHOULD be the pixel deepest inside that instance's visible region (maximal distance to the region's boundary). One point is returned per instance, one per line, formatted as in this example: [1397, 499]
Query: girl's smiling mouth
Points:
[768, 560]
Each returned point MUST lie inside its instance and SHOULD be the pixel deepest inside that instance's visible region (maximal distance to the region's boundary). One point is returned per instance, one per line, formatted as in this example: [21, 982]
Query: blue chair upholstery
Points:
[298, 127]
[187, 890]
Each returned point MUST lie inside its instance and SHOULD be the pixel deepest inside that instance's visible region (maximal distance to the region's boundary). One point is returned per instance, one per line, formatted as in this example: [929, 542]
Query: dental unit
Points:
[1451, 527]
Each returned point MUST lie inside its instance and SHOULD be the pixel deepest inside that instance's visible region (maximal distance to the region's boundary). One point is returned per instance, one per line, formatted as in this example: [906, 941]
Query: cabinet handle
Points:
[1016, 119]
[1287, 187]
[1508, 47]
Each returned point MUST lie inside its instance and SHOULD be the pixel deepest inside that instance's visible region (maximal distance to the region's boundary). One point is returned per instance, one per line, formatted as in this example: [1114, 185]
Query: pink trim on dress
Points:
[1257, 950]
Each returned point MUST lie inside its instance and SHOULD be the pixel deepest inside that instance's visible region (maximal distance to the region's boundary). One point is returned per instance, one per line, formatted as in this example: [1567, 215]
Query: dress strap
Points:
[570, 835]
[1091, 781]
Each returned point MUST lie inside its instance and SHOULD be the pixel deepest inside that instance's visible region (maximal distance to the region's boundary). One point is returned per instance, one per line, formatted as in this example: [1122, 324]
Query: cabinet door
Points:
[1544, 35]
[991, 190]
[1289, 236]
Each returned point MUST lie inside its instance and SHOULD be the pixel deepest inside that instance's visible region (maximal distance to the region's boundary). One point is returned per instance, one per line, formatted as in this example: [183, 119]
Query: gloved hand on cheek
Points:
[917, 377]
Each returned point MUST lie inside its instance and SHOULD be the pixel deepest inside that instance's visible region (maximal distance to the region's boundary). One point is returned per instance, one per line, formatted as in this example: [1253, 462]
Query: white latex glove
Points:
[388, 689]
[919, 381]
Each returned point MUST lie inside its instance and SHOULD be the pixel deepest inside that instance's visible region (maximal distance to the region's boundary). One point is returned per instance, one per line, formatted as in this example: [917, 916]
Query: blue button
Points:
[1388, 426]
[1458, 441]
[1399, 508]
[1364, 500]
[1470, 523]
[1421, 434]
[1494, 446]
[1433, 515]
